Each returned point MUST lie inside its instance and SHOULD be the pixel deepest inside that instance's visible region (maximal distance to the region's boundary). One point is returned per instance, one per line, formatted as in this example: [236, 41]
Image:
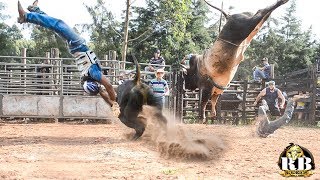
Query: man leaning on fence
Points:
[262, 73]
[156, 62]
[87, 62]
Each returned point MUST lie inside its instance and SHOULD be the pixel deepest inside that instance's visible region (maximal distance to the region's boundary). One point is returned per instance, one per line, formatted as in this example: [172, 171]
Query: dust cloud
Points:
[175, 141]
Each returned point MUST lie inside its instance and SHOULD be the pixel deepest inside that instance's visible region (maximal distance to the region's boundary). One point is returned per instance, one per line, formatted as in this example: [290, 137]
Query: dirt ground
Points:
[105, 151]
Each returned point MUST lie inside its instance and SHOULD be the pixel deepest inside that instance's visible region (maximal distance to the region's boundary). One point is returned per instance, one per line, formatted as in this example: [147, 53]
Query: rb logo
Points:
[296, 160]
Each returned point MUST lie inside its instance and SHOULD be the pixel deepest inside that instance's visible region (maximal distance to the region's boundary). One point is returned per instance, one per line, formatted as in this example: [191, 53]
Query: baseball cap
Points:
[264, 59]
[160, 70]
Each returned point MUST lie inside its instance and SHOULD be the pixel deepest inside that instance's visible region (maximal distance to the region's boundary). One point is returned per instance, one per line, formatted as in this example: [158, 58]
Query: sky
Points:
[73, 11]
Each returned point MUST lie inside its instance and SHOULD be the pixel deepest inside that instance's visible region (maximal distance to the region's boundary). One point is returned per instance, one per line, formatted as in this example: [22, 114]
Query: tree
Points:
[286, 46]
[175, 27]
[104, 30]
[198, 36]
[46, 39]
[8, 35]
[296, 51]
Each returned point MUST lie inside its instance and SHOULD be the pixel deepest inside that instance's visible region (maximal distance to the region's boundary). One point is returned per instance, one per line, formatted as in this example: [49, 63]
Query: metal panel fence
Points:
[57, 77]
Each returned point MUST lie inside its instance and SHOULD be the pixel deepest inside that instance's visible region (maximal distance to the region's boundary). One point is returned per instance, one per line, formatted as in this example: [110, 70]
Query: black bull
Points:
[131, 96]
[213, 71]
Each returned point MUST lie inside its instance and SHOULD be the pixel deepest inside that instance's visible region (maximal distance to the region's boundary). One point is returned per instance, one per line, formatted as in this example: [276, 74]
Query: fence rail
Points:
[55, 78]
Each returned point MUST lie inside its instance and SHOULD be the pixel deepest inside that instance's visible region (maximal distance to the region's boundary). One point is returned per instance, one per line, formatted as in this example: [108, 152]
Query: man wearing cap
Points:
[270, 95]
[156, 62]
[159, 86]
[262, 72]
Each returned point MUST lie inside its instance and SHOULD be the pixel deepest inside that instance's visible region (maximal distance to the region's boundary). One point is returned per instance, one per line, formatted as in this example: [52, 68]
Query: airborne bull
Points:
[212, 71]
[131, 96]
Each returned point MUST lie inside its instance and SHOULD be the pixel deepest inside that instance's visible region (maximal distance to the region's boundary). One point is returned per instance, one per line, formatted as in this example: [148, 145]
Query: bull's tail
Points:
[138, 75]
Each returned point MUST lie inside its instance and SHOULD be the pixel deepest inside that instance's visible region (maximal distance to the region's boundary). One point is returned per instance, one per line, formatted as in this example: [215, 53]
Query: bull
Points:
[131, 96]
[212, 71]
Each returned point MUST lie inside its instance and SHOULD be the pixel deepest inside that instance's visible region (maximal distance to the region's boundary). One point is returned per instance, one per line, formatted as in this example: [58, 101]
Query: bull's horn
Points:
[225, 14]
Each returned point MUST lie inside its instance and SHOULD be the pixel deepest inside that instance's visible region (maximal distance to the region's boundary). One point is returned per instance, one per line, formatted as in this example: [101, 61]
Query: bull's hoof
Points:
[205, 121]
[138, 134]
[136, 137]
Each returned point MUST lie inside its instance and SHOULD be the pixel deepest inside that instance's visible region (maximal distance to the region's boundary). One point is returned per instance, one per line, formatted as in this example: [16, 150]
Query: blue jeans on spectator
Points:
[258, 75]
[162, 100]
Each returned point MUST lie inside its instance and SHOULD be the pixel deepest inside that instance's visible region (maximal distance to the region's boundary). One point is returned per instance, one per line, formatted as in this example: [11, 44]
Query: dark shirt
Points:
[159, 61]
[271, 97]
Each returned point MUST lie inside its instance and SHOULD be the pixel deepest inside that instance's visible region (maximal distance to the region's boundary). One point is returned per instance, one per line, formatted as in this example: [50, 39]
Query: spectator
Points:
[262, 73]
[87, 62]
[43, 81]
[156, 62]
[270, 95]
[160, 86]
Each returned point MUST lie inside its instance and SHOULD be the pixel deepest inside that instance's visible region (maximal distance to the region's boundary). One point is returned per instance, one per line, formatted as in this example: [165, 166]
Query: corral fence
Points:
[243, 94]
[51, 88]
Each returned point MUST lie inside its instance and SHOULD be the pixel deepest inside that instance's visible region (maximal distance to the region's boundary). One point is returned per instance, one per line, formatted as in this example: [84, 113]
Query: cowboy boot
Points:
[21, 18]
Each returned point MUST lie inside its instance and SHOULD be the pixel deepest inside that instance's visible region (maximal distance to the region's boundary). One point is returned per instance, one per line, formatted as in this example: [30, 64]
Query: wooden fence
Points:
[187, 102]
[57, 76]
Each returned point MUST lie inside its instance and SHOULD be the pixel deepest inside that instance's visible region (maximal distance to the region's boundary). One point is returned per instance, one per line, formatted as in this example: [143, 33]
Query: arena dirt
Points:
[105, 151]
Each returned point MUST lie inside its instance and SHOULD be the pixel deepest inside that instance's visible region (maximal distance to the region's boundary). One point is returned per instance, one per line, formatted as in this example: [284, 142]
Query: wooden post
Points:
[125, 37]
[112, 66]
[51, 70]
[180, 95]
[106, 57]
[244, 100]
[272, 71]
[57, 69]
[24, 61]
[312, 115]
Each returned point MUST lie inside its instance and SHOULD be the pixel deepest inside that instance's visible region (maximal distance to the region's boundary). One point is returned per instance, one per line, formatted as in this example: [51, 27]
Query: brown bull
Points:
[213, 71]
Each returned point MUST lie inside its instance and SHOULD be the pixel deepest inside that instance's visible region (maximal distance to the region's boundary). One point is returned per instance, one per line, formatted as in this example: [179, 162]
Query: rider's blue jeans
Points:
[75, 42]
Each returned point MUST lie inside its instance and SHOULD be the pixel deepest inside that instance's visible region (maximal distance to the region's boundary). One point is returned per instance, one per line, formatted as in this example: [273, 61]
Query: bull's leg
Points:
[267, 127]
[214, 99]
[272, 7]
[204, 98]
[131, 120]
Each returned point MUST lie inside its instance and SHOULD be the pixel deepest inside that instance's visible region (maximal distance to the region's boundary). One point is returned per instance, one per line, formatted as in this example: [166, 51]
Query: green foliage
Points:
[8, 35]
[287, 46]
[176, 28]
[104, 30]
[44, 40]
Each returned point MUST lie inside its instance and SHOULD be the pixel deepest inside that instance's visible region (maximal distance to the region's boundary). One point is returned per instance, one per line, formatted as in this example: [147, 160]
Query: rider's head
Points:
[91, 87]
